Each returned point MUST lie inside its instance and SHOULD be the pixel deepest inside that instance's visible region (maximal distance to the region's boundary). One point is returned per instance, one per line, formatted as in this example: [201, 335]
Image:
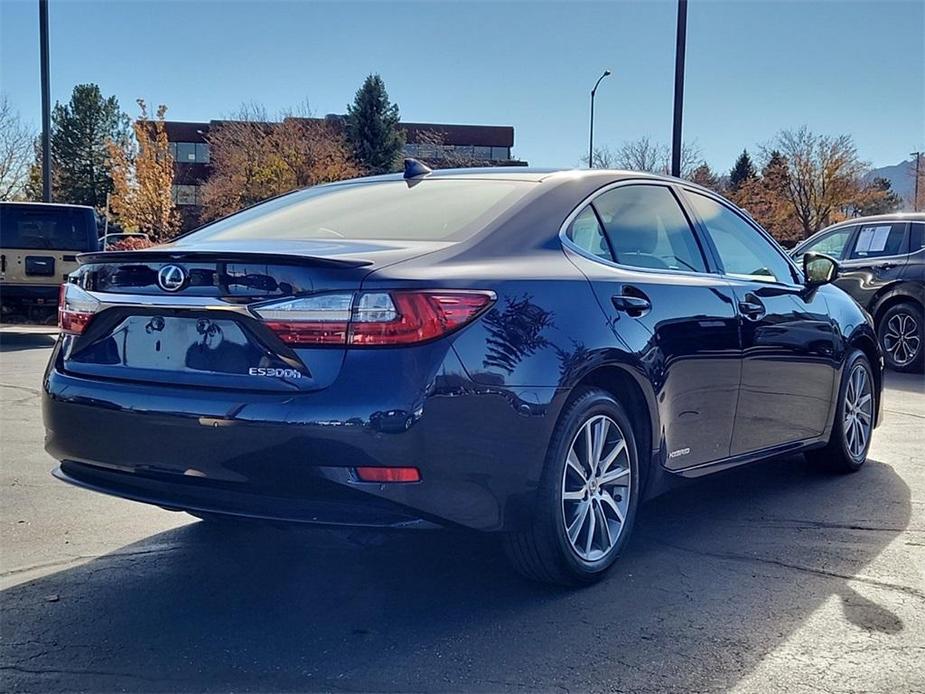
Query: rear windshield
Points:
[431, 210]
[37, 227]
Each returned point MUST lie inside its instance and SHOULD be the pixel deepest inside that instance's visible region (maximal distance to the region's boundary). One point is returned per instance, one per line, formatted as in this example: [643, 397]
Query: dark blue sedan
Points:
[522, 352]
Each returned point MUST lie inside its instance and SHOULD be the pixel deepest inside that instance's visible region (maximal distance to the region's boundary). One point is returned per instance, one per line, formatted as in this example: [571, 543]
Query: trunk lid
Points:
[200, 332]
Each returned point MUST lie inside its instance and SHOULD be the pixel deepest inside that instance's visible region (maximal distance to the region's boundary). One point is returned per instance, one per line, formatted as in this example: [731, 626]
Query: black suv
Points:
[882, 266]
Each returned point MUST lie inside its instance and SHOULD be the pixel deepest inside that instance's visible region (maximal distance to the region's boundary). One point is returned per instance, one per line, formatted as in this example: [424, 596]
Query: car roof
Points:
[30, 203]
[527, 174]
[890, 217]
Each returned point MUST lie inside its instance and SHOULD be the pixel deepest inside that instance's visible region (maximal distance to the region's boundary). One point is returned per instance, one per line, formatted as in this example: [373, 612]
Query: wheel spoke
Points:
[862, 437]
[589, 448]
[606, 539]
[600, 437]
[592, 525]
[575, 464]
[574, 529]
[612, 456]
[614, 475]
[574, 496]
[609, 500]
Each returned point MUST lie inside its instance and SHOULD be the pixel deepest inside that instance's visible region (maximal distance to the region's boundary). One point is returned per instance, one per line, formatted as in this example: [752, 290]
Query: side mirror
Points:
[819, 268]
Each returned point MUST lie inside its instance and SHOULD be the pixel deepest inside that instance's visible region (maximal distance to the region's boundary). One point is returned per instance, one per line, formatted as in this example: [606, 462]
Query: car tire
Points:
[573, 503]
[901, 332]
[855, 413]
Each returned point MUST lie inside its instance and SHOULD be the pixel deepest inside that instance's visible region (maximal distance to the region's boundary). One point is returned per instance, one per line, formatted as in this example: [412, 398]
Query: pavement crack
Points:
[56, 671]
[904, 414]
[731, 556]
[32, 391]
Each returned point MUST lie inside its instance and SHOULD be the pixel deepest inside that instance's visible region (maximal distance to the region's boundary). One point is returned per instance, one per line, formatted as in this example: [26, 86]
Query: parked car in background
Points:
[523, 352]
[39, 243]
[882, 266]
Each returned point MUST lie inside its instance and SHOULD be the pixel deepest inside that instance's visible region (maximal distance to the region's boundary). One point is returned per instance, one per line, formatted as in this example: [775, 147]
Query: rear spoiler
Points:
[155, 255]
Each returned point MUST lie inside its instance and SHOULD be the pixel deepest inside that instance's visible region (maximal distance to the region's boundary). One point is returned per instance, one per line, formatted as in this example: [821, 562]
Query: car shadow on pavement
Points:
[718, 575]
[17, 342]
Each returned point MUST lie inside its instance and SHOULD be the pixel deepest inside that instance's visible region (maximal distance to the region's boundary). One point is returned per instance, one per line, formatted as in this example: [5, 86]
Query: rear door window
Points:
[880, 240]
[586, 233]
[647, 229]
[916, 237]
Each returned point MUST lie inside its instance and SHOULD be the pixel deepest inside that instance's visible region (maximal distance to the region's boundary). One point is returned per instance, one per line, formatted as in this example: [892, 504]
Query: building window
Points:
[500, 153]
[185, 195]
[481, 153]
[190, 152]
[186, 152]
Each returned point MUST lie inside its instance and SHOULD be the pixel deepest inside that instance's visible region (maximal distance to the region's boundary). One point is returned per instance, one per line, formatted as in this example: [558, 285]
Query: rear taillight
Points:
[75, 308]
[372, 318]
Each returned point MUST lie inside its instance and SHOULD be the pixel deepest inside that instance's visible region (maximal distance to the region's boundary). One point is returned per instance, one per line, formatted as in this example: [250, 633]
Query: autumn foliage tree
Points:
[142, 177]
[824, 175]
[767, 200]
[254, 159]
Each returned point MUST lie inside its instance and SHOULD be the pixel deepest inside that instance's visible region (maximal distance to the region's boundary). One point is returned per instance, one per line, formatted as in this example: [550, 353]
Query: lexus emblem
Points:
[171, 278]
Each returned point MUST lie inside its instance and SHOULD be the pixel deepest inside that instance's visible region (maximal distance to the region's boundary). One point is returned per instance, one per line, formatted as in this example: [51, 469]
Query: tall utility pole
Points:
[46, 102]
[680, 48]
[606, 73]
[915, 194]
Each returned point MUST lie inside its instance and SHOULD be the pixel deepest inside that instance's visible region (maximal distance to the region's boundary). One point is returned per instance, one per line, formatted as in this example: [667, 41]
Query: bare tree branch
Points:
[16, 152]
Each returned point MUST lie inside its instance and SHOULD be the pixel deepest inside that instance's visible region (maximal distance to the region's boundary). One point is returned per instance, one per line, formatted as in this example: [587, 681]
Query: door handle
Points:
[751, 308]
[630, 304]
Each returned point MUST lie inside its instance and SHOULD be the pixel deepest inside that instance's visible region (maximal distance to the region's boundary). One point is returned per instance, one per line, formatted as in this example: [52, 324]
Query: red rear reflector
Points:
[388, 474]
[298, 333]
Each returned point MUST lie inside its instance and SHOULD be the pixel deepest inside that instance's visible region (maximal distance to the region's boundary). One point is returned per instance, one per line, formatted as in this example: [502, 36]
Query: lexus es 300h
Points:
[521, 352]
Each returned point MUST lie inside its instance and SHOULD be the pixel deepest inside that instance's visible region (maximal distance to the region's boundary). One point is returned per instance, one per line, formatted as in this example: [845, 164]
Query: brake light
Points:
[372, 318]
[388, 474]
[76, 308]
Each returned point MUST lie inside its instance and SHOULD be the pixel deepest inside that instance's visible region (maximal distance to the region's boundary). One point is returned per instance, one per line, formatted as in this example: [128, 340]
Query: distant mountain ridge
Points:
[901, 177]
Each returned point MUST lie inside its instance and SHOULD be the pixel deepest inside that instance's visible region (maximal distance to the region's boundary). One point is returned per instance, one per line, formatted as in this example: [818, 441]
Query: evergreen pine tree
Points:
[372, 128]
[81, 131]
[743, 170]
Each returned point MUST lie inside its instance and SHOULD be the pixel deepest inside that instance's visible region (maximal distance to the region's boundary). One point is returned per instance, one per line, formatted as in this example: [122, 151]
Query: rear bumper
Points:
[30, 294]
[289, 456]
[328, 504]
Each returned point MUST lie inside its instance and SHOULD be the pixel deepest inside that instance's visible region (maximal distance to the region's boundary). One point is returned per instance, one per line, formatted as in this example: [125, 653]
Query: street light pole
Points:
[606, 73]
[915, 195]
[46, 102]
[680, 49]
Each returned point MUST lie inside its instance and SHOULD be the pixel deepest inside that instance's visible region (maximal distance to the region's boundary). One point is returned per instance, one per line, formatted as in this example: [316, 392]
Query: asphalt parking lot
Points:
[778, 577]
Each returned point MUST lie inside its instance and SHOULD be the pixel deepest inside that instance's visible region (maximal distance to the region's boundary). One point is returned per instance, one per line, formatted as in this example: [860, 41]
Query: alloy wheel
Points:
[858, 411]
[596, 488]
[901, 338]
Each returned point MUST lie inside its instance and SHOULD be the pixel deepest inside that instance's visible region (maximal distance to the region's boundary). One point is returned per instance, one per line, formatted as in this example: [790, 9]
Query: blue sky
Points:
[752, 67]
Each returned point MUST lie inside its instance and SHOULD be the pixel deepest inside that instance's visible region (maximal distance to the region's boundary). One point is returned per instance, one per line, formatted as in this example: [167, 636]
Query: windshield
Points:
[432, 210]
[50, 228]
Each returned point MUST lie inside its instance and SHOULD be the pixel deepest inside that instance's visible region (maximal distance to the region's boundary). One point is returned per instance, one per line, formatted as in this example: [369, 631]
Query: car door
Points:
[876, 258]
[788, 341]
[662, 298]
